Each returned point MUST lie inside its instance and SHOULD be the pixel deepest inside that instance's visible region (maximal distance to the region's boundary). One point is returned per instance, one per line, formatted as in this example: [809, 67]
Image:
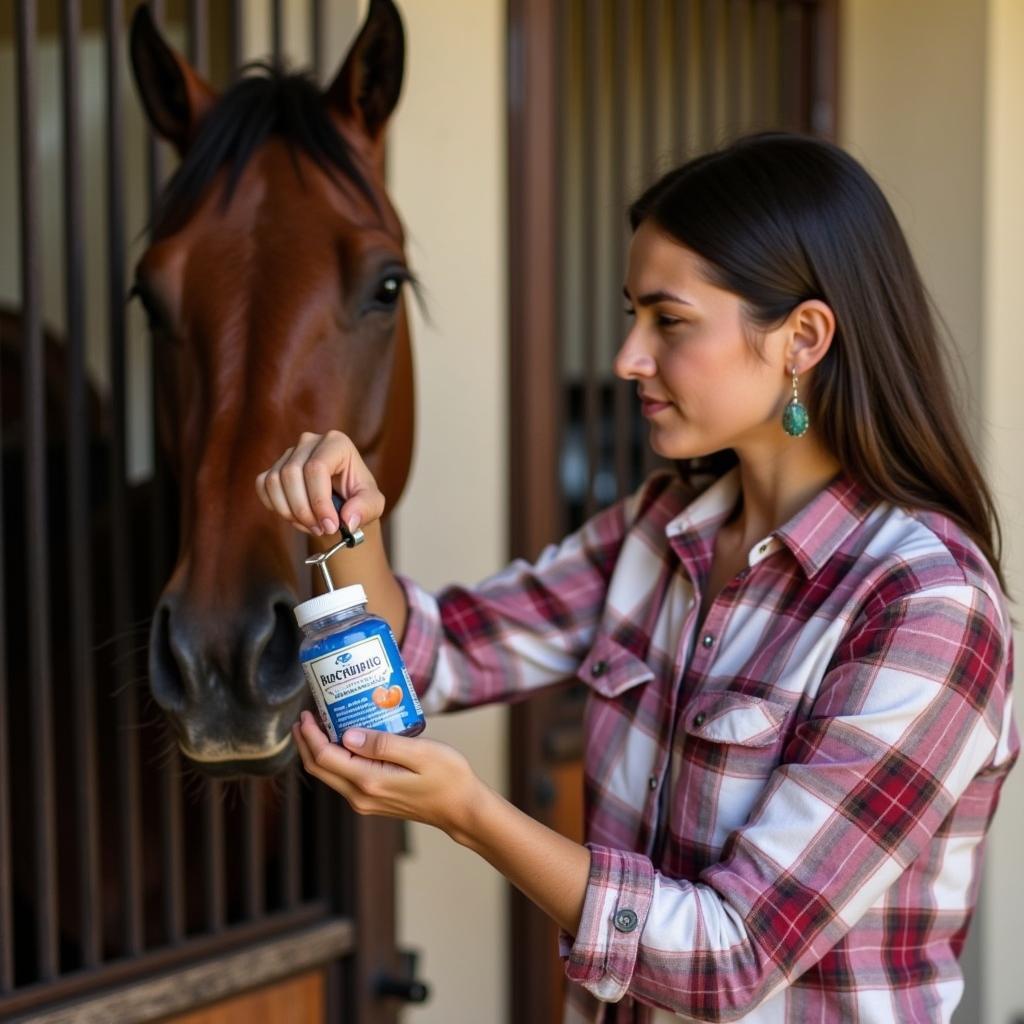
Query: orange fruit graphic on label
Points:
[387, 696]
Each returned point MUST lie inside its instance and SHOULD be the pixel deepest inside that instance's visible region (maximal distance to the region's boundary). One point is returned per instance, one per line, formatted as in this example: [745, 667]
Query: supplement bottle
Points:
[351, 661]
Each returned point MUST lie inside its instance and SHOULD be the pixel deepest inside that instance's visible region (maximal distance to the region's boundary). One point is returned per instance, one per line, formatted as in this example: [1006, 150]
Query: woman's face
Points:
[703, 387]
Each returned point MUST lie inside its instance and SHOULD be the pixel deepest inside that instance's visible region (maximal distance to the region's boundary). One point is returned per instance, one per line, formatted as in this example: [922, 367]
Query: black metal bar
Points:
[252, 855]
[710, 11]
[277, 31]
[805, 18]
[825, 82]
[590, 101]
[763, 24]
[236, 35]
[651, 93]
[326, 870]
[78, 524]
[735, 67]
[172, 857]
[154, 150]
[213, 855]
[291, 838]
[623, 399]
[126, 699]
[650, 107]
[171, 815]
[316, 49]
[199, 36]
[789, 66]
[6, 900]
[683, 53]
[39, 677]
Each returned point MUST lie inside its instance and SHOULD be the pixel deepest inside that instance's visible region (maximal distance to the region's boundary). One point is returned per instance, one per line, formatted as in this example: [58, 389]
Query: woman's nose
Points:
[633, 361]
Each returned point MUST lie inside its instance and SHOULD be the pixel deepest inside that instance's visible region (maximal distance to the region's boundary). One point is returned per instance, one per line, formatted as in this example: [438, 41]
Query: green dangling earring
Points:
[795, 420]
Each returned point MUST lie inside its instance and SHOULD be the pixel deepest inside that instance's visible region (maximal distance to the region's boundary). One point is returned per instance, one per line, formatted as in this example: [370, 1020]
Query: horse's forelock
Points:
[260, 104]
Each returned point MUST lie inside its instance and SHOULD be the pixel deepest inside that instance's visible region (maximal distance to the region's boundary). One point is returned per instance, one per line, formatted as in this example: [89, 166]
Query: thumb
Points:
[361, 507]
[382, 746]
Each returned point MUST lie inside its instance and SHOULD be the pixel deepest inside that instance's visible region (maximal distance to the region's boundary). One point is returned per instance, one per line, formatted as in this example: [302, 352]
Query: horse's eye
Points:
[387, 292]
[154, 314]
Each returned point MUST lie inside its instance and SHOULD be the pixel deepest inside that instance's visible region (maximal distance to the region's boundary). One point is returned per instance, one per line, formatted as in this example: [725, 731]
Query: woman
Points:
[797, 644]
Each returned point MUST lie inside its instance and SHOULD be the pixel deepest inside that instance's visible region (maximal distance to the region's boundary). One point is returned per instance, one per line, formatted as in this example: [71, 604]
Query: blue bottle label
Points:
[363, 683]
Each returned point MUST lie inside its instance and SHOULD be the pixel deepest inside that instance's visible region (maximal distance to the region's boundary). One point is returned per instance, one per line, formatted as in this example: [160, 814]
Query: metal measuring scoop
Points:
[348, 540]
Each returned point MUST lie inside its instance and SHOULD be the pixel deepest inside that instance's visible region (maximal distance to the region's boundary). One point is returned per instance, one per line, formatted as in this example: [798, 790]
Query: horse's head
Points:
[273, 287]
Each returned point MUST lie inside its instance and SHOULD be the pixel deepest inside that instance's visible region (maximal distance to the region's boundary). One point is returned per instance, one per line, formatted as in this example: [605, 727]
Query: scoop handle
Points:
[350, 539]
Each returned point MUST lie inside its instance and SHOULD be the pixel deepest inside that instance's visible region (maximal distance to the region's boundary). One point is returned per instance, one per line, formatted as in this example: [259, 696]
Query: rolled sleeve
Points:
[421, 640]
[603, 955]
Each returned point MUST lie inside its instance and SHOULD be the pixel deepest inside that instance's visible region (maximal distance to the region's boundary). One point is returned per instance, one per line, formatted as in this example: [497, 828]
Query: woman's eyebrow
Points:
[650, 298]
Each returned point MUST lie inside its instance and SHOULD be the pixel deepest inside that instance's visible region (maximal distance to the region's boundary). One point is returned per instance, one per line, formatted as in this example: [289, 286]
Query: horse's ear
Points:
[175, 96]
[367, 87]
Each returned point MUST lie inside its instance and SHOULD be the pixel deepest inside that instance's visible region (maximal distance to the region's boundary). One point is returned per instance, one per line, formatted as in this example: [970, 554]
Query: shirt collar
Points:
[821, 527]
[813, 534]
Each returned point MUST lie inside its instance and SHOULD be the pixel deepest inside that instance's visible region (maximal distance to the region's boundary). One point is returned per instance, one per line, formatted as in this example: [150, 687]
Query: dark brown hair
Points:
[780, 218]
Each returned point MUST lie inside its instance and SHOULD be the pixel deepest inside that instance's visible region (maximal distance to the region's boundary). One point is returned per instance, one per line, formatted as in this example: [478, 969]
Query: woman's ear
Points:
[176, 98]
[812, 328]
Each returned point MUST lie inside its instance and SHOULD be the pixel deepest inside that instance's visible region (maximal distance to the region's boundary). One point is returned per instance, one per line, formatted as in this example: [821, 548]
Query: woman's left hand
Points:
[395, 776]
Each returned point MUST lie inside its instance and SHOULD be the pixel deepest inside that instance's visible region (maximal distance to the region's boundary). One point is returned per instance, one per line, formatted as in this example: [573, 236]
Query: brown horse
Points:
[273, 285]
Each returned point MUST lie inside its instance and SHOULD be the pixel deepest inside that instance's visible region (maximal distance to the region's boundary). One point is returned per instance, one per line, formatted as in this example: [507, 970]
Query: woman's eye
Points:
[629, 311]
[668, 321]
[387, 292]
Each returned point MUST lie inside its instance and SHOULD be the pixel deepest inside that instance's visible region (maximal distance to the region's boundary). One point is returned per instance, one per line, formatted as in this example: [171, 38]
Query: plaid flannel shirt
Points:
[785, 809]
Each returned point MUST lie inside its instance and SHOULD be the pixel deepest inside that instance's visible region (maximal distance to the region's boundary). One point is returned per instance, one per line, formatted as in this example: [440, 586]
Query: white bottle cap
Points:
[329, 604]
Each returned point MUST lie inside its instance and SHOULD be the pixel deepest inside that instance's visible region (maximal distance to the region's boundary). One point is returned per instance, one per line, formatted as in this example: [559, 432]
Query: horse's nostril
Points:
[278, 673]
[165, 678]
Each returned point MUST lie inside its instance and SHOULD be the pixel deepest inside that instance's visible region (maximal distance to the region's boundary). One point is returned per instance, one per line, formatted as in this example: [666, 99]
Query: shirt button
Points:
[698, 719]
[625, 920]
[763, 548]
[708, 640]
[652, 782]
[599, 668]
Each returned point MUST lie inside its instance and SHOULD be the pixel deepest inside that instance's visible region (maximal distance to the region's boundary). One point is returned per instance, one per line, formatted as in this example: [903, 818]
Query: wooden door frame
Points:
[533, 451]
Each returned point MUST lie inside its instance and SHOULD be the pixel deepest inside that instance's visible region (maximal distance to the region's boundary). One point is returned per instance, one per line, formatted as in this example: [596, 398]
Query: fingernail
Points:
[328, 525]
[354, 737]
[317, 532]
[353, 523]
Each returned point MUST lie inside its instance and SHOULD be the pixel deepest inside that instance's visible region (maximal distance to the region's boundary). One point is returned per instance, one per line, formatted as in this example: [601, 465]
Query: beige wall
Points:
[930, 100]
[1003, 382]
[447, 175]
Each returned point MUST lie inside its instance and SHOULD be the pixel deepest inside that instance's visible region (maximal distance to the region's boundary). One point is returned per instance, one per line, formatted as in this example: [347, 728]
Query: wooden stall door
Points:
[300, 1000]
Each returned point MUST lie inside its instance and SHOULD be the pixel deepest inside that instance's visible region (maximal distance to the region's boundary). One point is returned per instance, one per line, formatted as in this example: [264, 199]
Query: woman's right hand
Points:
[298, 486]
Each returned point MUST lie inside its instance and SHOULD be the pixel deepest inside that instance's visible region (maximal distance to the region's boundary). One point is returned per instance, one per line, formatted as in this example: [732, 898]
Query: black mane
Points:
[271, 102]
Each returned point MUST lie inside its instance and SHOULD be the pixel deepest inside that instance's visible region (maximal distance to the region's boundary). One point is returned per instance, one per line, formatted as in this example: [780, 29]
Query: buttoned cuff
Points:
[603, 955]
[422, 638]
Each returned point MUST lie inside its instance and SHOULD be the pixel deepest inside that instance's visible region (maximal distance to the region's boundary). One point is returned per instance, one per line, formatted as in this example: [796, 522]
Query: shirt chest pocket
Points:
[735, 718]
[618, 753]
[727, 745]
